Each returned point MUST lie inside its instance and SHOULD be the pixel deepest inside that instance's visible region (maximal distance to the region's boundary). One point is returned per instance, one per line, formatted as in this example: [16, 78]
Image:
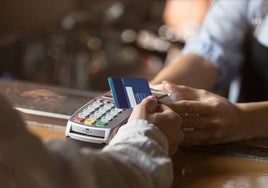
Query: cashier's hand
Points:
[207, 118]
[163, 117]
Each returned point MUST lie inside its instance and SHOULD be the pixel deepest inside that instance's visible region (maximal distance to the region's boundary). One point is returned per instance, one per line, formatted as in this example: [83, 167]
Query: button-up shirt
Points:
[222, 37]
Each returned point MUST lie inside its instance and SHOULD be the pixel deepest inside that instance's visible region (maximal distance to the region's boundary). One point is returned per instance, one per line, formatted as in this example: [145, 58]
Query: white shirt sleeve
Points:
[222, 36]
[136, 157]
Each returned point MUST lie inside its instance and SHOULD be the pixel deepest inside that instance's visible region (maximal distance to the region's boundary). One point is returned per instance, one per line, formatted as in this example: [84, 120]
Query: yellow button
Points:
[89, 121]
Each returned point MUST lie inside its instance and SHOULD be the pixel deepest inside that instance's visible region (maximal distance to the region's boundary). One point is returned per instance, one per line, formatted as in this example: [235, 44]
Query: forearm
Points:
[191, 70]
[254, 118]
[146, 151]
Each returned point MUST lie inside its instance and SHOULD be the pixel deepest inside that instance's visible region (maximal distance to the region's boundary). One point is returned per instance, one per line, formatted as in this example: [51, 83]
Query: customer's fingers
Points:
[144, 109]
[149, 103]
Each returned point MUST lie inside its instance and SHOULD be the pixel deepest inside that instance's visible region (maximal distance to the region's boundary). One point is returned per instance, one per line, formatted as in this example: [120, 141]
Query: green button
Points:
[101, 123]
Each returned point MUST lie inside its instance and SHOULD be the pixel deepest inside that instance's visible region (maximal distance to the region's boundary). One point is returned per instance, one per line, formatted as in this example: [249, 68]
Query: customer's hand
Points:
[207, 118]
[163, 117]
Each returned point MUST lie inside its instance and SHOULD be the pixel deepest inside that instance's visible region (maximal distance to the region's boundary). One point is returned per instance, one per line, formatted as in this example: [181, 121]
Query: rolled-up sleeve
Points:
[221, 38]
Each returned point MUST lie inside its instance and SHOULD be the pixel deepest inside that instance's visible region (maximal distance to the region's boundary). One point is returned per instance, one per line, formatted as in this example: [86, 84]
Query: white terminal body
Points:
[98, 120]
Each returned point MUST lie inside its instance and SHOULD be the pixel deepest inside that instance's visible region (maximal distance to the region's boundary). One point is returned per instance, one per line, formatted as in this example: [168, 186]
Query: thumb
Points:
[183, 92]
[150, 103]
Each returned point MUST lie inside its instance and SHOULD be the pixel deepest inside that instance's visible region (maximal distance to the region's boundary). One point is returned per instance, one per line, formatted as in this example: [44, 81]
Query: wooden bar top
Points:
[203, 169]
[240, 164]
[213, 170]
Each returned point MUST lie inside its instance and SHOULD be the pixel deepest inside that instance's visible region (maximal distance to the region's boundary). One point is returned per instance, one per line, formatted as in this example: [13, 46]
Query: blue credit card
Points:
[128, 92]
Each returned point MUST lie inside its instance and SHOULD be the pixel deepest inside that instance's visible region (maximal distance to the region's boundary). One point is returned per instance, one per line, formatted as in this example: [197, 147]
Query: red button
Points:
[78, 119]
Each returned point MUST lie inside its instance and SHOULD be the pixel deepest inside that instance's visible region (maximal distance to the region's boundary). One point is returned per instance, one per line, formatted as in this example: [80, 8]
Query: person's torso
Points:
[254, 86]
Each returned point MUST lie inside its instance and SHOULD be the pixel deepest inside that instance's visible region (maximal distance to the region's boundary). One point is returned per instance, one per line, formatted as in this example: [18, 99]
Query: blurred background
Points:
[79, 43]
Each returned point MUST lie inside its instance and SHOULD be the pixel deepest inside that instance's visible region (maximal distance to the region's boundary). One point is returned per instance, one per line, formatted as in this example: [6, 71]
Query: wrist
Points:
[253, 118]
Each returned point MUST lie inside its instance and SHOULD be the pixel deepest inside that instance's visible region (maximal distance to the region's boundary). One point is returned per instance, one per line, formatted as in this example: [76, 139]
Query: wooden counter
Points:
[240, 164]
[203, 169]
[212, 170]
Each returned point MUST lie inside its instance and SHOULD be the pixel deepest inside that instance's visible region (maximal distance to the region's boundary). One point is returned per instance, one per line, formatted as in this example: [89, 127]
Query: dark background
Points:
[78, 44]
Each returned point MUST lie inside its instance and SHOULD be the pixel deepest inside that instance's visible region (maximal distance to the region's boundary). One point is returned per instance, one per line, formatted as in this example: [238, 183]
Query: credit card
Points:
[128, 92]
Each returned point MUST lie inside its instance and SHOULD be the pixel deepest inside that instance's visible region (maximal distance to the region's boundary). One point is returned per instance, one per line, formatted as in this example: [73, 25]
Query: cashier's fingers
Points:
[165, 113]
[188, 107]
[185, 92]
[157, 87]
[198, 122]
